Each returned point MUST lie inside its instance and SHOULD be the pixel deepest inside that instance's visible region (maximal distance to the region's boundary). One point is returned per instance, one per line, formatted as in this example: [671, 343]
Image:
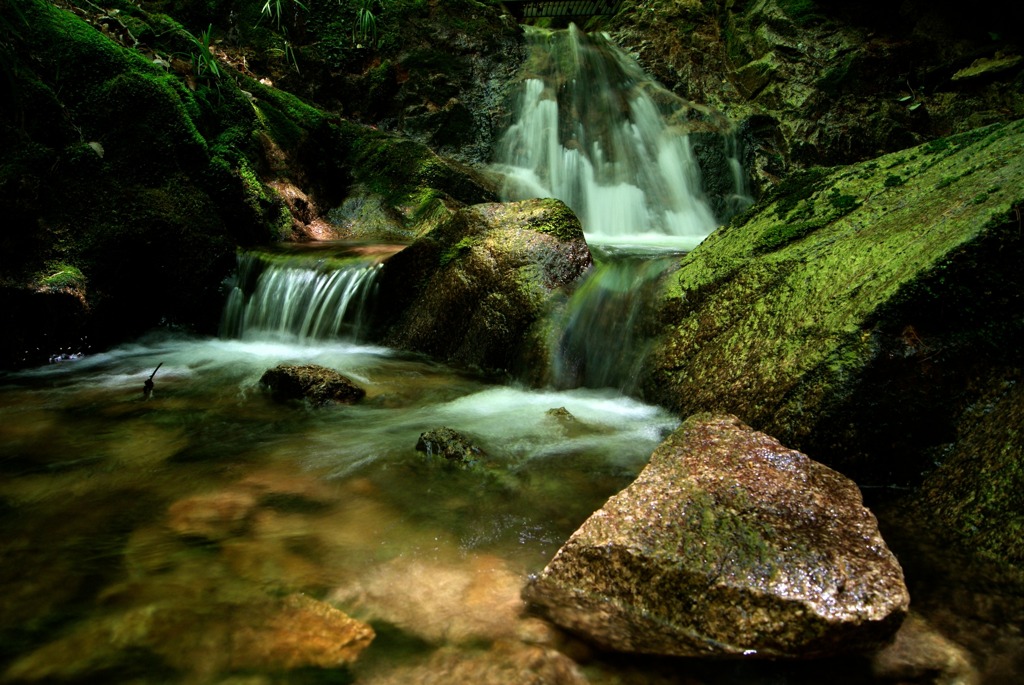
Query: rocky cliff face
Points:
[815, 83]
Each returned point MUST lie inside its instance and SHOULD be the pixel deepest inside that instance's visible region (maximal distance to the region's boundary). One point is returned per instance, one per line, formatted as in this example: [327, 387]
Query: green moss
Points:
[798, 187]
[559, 221]
[777, 235]
[844, 203]
[892, 180]
[832, 81]
[458, 249]
[776, 318]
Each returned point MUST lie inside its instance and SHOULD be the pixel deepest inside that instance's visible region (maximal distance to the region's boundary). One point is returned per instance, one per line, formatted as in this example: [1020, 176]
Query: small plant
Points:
[274, 9]
[911, 100]
[366, 23]
[203, 58]
[892, 180]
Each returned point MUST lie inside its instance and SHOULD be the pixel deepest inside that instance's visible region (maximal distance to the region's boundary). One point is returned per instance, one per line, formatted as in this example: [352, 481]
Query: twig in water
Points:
[147, 387]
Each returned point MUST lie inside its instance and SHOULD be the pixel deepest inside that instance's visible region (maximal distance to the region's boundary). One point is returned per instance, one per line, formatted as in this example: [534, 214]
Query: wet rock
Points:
[317, 384]
[921, 654]
[214, 516]
[455, 448]
[727, 544]
[203, 639]
[469, 600]
[470, 290]
[300, 632]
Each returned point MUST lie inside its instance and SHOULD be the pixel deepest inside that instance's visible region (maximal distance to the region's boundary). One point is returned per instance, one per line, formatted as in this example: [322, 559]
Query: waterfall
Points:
[299, 298]
[598, 336]
[595, 131]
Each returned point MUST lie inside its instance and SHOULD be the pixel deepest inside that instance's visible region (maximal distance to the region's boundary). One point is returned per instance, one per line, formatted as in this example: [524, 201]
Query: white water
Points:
[298, 298]
[596, 132]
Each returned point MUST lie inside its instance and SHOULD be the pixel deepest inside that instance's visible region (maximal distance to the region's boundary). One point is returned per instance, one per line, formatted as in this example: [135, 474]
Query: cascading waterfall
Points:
[298, 298]
[595, 131]
[613, 300]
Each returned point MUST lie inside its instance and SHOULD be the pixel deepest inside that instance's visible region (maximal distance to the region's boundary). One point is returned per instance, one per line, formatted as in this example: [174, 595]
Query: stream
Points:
[163, 540]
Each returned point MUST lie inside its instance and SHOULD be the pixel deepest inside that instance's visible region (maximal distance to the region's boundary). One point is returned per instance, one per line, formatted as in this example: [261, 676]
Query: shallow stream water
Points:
[333, 501]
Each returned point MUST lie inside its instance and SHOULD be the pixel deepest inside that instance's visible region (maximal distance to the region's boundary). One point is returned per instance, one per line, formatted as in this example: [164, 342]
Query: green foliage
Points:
[202, 56]
[275, 9]
[366, 23]
[892, 180]
[60, 275]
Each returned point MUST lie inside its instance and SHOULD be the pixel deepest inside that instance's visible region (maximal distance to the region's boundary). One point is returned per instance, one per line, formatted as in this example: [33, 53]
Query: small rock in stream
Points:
[312, 382]
[455, 448]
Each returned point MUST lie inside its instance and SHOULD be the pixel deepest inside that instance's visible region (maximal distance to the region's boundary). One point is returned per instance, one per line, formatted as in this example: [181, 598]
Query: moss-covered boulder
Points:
[848, 313]
[728, 544]
[469, 291]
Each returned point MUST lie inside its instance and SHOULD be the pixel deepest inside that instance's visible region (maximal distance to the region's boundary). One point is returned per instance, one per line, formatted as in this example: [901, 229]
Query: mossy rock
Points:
[470, 290]
[841, 312]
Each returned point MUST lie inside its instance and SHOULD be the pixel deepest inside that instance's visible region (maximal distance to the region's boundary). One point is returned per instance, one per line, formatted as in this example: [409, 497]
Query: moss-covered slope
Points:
[136, 161]
[848, 312]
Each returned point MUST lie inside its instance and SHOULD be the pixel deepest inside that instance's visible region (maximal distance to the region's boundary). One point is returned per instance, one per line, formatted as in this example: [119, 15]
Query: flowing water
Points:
[595, 131]
[134, 532]
[170, 539]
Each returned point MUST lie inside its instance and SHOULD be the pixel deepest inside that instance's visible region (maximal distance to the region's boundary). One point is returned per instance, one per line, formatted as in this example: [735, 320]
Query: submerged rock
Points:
[214, 516]
[921, 654]
[455, 448]
[504, 663]
[470, 600]
[727, 544]
[202, 639]
[317, 384]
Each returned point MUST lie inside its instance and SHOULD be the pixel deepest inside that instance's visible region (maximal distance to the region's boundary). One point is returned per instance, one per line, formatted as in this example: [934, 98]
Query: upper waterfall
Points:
[595, 131]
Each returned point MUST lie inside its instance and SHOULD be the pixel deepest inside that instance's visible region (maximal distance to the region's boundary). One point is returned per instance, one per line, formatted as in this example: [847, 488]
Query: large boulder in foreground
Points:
[470, 290]
[728, 544]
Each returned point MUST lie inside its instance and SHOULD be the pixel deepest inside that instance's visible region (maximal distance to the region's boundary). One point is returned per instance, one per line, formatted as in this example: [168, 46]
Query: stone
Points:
[822, 318]
[727, 544]
[465, 601]
[203, 639]
[312, 382]
[452, 446]
[471, 290]
[506, 662]
[214, 516]
[921, 654]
